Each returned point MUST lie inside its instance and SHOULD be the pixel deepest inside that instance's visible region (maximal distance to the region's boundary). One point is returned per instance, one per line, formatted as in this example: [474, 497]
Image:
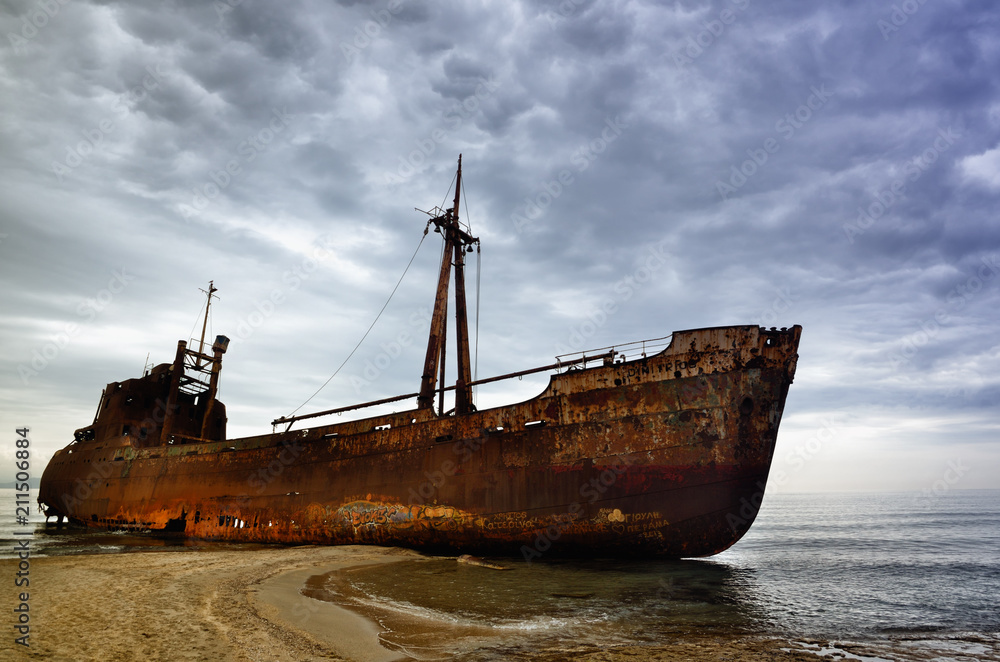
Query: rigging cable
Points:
[445, 201]
[356, 347]
[468, 215]
[196, 320]
[479, 266]
[211, 334]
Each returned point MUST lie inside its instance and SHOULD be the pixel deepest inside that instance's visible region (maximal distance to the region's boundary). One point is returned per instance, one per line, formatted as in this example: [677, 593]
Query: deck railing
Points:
[620, 352]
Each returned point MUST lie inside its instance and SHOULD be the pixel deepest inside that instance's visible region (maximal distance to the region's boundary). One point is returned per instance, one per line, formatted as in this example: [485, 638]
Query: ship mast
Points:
[456, 243]
[194, 378]
[212, 289]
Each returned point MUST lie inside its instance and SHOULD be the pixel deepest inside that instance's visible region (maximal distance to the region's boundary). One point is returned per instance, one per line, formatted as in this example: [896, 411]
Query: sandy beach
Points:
[192, 605]
[248, 605]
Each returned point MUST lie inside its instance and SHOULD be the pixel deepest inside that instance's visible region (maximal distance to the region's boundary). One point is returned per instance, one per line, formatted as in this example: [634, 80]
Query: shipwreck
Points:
[655, 449]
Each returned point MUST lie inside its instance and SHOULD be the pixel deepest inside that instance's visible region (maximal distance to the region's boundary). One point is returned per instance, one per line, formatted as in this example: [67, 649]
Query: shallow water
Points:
[907, 576]
[882, 569]
[50, 540]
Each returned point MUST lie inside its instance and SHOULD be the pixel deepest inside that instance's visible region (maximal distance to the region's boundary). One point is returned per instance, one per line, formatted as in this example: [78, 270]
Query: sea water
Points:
[893, 571]
[52, 540]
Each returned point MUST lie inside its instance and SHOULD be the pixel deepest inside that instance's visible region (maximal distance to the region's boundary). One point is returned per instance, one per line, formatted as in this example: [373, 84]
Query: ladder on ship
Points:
[196, 377]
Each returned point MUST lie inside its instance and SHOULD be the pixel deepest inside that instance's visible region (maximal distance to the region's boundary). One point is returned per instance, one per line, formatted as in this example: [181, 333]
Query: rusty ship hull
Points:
[661, 456]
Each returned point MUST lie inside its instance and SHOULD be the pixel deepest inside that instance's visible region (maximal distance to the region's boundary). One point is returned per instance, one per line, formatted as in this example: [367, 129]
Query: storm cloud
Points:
[632, 168]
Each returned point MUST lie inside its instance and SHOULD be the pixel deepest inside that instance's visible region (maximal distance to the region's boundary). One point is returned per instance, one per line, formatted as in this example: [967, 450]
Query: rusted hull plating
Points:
[665, 456]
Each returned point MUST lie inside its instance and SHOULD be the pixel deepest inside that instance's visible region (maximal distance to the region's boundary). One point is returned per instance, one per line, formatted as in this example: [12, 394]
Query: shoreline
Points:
[280, 599]
[189, 605]
[250, 605]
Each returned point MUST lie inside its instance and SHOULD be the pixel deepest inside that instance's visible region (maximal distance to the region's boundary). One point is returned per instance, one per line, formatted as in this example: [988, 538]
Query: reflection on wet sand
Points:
[437, 607]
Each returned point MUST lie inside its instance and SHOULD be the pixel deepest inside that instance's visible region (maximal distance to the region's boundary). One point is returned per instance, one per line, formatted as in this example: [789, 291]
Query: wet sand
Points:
[248, 605]
[189, 605]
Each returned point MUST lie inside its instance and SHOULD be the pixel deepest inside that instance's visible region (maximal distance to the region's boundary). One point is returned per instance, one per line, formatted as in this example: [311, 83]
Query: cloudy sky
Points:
[685, 164]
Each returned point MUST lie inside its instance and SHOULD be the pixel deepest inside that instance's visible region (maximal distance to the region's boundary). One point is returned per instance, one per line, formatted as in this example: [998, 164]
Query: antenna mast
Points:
[457, 241]
[212, 289]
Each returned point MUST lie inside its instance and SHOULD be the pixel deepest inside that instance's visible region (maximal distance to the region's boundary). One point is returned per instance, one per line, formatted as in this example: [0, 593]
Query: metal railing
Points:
[620, 352]
[563, 363]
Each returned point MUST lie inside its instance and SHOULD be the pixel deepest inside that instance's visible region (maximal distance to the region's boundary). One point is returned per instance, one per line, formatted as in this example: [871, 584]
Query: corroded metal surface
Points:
[662, 456]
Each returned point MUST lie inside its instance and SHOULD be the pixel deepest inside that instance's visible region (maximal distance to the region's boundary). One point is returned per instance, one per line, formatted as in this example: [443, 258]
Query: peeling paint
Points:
[653, 457]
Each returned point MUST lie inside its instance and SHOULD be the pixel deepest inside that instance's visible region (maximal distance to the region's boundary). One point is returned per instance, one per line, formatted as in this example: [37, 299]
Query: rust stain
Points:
[655, 457]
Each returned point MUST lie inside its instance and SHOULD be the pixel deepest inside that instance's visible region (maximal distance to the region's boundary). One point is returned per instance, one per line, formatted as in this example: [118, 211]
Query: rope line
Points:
[479, 267]
[468, 212]
[445, 201]
[196, 320]
[356, 347]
